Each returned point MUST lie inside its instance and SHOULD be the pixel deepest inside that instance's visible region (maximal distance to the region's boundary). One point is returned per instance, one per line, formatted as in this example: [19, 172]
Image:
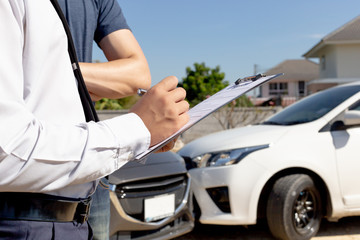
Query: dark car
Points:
[151, 200]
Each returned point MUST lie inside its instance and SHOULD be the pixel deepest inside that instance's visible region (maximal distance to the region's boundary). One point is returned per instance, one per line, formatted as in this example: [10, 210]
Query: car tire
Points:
[294, 209]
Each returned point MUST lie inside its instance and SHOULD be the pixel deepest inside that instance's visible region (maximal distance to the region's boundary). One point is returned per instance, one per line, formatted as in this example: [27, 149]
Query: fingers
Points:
[178, 94]
[175, 95]
[175, 110]
[182, 107]
[163, 110]
[168, 83]
[183, 119]
[170, 145]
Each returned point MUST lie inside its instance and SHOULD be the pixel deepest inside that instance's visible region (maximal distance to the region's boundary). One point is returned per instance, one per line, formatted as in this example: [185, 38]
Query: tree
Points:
[202, 82]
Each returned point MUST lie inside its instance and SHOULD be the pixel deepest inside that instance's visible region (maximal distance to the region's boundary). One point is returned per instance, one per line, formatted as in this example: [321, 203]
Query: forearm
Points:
[116, 79]
[126, 70]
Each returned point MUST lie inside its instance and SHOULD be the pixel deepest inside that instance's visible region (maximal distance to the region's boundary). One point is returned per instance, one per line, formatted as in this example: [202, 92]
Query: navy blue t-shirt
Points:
[91, 20]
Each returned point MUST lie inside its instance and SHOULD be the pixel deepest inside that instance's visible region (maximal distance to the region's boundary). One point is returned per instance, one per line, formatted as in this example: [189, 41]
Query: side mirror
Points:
[352, 118]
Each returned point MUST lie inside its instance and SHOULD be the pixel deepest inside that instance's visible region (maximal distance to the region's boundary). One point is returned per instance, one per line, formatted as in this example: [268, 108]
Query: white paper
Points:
[210, 105]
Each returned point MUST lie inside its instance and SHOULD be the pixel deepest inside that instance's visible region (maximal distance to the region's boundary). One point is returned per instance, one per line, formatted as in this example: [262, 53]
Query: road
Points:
[345, 229]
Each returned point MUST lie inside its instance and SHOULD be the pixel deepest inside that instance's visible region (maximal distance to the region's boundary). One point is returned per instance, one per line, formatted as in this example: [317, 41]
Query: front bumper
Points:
[125, 225]
[240, 183]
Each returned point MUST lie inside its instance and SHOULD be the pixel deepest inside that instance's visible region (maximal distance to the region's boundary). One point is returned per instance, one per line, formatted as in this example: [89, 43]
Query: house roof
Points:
[295, 70]
[348, 33]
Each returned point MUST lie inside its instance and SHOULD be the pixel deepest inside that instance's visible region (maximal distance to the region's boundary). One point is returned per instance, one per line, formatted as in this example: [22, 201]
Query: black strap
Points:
[86, 101]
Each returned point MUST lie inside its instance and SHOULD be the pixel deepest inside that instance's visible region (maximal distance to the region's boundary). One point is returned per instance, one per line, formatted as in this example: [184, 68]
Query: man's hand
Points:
[163, 109]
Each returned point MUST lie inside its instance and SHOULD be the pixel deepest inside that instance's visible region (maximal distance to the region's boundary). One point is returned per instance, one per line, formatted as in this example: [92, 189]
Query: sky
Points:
[240, 36]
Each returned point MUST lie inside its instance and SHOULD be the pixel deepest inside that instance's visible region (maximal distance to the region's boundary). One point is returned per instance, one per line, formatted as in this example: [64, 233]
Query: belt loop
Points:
[83, 210]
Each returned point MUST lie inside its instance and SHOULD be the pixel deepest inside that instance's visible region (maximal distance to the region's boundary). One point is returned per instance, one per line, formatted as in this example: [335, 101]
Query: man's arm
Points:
[126, 70]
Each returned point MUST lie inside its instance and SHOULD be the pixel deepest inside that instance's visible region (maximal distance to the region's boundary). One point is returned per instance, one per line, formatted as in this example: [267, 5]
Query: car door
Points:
[347, 148]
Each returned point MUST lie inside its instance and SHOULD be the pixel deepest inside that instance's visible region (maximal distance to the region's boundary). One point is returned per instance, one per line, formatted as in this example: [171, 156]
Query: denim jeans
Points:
[99, 219]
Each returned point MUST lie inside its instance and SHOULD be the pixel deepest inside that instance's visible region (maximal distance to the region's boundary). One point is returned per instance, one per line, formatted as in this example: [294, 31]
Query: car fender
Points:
[306, 166]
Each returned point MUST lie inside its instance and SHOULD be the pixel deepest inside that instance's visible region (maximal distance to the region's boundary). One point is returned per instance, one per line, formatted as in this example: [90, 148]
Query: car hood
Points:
[156, 165]
[248, 136]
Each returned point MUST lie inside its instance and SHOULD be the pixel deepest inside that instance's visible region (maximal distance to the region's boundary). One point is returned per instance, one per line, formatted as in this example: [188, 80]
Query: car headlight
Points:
[225, 158]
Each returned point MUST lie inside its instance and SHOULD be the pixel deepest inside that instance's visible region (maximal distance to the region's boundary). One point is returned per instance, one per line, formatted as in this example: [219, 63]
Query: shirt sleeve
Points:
[111, 19]
[41, 156]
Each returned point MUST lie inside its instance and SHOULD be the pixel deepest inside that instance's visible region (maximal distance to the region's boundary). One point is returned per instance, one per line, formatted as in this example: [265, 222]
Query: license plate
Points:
[159, 207]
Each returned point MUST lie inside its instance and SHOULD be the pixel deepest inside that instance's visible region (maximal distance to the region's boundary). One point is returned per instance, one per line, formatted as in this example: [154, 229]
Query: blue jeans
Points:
[99, 219]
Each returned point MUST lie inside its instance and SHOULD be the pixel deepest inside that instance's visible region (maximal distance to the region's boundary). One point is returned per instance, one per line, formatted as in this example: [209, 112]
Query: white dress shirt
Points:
[45, 144]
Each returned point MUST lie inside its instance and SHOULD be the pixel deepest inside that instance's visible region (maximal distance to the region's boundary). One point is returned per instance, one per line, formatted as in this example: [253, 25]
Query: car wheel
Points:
[294, 208]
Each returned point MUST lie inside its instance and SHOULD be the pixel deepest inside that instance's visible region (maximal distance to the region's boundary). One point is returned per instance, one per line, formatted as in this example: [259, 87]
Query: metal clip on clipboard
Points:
[249, 79]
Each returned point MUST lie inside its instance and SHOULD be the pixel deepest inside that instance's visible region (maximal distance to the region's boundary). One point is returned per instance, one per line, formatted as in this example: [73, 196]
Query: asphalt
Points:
[344, 229]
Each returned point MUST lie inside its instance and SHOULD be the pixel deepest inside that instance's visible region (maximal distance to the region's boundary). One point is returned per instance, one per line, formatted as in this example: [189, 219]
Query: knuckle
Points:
[183, 91]
[173, 78]
[171, 113]
[156, 90]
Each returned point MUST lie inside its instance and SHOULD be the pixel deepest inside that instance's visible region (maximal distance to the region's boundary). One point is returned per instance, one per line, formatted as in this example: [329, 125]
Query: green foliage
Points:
[108, 104]
[128, 102]
[202, 82]
[243, 101]
[116, 104]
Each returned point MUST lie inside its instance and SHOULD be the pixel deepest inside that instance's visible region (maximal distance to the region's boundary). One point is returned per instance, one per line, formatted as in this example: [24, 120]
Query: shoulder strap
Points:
[86, 102]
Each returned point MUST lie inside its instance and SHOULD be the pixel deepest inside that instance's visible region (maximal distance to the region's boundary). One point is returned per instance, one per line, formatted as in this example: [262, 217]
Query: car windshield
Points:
[313, 107]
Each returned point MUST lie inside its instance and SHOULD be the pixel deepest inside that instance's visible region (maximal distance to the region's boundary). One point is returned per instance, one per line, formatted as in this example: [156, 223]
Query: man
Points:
[102, 21]
[49, 155]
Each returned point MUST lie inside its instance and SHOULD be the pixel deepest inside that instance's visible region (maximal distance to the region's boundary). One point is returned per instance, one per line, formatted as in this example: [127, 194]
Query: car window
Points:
[314, 106]
[355, 106]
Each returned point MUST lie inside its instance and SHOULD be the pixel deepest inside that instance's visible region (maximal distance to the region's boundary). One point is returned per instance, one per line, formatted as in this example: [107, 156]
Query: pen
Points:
[141, 91]
[251, 78]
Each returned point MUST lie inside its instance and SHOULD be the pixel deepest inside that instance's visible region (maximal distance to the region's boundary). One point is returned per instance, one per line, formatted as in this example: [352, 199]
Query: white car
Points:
[299, 166]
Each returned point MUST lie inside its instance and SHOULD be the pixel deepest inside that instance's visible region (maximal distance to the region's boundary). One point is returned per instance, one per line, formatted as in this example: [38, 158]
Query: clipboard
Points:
[211, 104]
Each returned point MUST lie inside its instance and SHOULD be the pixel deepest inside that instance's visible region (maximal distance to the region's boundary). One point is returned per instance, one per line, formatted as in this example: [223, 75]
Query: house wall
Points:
[264, 90]
[341, 61]
[348, 59]
[293, 90]
[330, 70]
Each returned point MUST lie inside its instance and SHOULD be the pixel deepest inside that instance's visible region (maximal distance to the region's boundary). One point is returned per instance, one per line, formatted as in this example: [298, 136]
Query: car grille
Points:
[132, 195]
